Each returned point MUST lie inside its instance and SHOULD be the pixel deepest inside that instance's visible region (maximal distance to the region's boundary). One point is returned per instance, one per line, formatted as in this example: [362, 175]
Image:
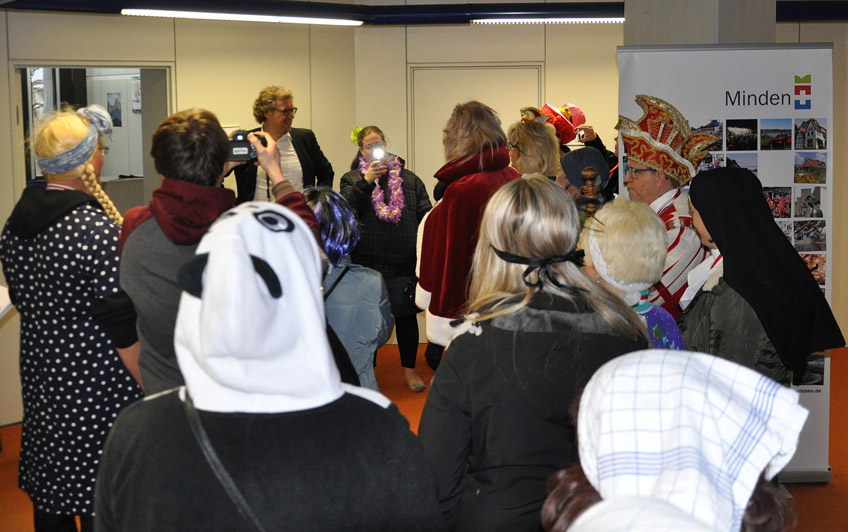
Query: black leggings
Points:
[47, 522]
[406, 332]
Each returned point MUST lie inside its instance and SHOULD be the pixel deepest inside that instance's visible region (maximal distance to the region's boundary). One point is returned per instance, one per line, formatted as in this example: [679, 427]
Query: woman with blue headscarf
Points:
[78, 348]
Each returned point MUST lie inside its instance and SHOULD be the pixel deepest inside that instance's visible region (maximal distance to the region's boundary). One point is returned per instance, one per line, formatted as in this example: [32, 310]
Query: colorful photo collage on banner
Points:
[795, 152]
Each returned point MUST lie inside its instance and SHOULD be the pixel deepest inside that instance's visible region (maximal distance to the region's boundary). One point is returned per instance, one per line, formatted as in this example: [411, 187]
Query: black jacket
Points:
[349, 465]
[317, 170]
[386, 247]
[496, 423]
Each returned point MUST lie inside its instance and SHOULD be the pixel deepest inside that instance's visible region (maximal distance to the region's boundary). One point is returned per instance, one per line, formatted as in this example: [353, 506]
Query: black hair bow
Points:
[542, 265]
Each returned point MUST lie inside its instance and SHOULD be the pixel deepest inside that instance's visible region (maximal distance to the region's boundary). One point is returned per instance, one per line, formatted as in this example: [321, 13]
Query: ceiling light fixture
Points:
[570, 20]
[239, 17]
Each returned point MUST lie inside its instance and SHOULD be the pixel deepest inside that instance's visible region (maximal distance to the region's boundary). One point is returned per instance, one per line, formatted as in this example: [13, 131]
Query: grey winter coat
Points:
[720, 322]
[358, 310]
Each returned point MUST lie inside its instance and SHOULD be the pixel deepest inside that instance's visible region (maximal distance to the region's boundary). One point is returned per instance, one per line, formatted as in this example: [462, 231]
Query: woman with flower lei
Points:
[390, 201]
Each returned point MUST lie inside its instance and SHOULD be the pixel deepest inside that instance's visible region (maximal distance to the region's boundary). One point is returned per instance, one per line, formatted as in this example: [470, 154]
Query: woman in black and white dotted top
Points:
[78, 348]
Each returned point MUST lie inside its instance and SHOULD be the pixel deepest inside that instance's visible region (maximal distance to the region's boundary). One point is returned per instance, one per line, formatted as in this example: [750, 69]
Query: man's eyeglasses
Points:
[631, 172]
[104, 150]
[510, 146]
[286, 112]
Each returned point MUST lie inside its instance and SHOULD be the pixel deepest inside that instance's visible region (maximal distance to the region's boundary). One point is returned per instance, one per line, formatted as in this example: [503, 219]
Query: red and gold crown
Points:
[564, 119]
[663, 140]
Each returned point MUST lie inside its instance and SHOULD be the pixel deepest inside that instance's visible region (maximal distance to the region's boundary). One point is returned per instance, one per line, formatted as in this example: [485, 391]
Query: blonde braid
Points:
[90, 180]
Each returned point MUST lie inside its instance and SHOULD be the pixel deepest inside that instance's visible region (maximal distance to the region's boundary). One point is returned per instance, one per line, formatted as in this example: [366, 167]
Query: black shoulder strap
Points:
[218, 468]
[336, 282]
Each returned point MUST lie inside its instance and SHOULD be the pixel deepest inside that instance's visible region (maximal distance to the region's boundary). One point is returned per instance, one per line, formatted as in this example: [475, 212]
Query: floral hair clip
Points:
[354, 135]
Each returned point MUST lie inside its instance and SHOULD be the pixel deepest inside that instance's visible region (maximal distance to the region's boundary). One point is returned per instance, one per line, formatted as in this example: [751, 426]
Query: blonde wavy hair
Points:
[538, 147]
[535, 218]
[472, 128]
[60, 133]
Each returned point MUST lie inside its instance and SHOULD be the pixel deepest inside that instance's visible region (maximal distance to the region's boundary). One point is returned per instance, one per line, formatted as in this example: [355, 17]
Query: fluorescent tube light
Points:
[571, 20]
[239, 17]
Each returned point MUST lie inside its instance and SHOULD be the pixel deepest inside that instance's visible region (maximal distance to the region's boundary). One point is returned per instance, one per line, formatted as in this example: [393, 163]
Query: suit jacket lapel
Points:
[300, 148]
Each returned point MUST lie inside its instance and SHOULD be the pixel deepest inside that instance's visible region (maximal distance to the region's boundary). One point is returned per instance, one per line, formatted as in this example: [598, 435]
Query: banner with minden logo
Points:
[772, 108]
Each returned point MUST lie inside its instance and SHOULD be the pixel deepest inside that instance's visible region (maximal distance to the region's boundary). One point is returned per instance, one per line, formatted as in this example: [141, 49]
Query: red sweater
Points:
[184, 211]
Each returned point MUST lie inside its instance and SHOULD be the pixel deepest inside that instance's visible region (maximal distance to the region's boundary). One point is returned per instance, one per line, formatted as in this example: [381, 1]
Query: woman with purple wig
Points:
[355, 297]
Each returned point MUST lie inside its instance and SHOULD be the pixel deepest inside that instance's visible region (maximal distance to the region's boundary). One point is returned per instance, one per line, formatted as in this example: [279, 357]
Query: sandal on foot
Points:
[416, 386]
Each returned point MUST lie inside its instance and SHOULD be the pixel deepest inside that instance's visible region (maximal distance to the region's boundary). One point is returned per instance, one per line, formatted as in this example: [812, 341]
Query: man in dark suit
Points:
[301, 158]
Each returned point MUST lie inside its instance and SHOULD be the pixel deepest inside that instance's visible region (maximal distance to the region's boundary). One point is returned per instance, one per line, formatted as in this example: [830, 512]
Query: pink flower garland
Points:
[392, 211]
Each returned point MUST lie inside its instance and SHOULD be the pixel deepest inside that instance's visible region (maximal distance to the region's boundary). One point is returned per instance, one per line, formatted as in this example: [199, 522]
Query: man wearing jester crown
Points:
[661, 155]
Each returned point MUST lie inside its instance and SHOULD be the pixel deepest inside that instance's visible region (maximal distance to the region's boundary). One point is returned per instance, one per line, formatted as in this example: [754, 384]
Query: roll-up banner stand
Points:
[772, 108]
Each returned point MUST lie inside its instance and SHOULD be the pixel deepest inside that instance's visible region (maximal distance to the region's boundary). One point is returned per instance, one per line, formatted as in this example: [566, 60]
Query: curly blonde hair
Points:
[267, 98]
[60, 133]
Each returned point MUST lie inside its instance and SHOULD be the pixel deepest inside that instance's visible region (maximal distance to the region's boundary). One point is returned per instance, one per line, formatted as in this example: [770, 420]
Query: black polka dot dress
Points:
[74, 384]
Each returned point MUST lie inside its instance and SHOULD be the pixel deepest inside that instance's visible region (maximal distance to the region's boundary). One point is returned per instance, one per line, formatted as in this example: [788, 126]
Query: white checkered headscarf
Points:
[691, 429]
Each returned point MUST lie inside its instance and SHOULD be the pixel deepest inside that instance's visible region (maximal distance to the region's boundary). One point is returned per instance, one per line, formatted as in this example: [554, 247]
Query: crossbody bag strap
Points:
[336, 282]
[218, 468]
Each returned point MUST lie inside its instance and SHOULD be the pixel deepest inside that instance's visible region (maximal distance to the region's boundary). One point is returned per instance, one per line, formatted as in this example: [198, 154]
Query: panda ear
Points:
[190, 276]
[267, 274]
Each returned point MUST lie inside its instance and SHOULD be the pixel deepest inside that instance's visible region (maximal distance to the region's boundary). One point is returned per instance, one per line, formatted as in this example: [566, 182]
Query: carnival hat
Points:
[532, 114]
[565, 119]
[663, 140]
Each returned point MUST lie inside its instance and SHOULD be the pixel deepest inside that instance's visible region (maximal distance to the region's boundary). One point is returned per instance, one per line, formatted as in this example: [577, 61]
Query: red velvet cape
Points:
[450, 231]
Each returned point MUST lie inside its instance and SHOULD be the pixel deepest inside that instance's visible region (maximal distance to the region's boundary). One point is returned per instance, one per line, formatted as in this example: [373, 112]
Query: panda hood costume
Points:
[281, 428]
[250, 333]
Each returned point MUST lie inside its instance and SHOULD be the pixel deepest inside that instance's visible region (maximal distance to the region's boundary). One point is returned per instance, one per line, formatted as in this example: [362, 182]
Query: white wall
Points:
[221, 66]
[577, 64]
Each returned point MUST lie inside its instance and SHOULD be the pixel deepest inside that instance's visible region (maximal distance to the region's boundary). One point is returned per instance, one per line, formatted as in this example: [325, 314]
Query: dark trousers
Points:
[47, 522]
[433, 355]
[406, 331]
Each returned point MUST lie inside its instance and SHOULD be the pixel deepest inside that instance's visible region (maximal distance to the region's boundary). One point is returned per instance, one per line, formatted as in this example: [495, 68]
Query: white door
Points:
[435, 90]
